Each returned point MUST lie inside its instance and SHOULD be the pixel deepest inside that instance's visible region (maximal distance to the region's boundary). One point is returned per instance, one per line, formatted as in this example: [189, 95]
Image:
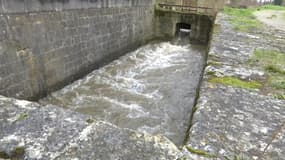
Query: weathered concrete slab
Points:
[231, 121]
[31, 131]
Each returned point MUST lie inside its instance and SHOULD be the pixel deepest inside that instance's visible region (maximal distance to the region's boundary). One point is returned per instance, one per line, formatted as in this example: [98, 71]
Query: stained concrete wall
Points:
[201, 25]
[46, 44]
[216, 5]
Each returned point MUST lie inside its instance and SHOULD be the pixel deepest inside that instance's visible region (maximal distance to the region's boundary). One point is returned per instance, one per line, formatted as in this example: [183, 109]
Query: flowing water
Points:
[150, 90]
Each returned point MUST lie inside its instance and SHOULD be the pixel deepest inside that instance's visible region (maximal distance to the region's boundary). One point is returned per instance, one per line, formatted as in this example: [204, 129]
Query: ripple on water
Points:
[150, 90]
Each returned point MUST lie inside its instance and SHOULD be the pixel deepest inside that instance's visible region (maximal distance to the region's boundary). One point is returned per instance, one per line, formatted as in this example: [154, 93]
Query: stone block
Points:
[1, 6]
[46, 5]
[33, 5]
[72, 4]
[95, 3]
[85, 4]
[13, 6]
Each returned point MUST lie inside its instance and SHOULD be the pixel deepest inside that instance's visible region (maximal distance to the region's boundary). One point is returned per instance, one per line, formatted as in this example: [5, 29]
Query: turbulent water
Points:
[150, 90]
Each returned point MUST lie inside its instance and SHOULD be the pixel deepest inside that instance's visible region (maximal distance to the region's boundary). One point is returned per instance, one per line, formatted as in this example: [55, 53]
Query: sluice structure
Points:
[132, 79]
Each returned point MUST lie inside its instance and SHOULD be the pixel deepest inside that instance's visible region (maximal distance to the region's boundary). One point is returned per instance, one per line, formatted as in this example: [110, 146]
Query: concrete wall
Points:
[201, 25]
[215, 4]
[42, 49]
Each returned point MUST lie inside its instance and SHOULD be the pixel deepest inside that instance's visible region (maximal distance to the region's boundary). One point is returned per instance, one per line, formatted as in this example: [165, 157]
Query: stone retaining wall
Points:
[45, 45]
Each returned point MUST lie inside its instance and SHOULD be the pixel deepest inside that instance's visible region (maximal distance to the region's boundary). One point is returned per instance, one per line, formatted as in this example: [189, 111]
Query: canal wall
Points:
[46, 44]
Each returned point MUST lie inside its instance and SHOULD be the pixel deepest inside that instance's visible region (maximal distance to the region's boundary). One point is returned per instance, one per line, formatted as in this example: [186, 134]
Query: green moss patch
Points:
[243, 19]
[214, 63]
[90, 120]
[22, 117]
[4, 155]
[236, 82]
[200, 152]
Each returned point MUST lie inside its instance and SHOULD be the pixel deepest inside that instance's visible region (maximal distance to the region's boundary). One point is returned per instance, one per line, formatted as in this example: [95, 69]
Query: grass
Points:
[243, 19]
[280, 96]
[200, 152]
[270, 57]
[236, 82]
[278, 83]
[272, 7]
[273, 63]
[284, 16]
[274, 69]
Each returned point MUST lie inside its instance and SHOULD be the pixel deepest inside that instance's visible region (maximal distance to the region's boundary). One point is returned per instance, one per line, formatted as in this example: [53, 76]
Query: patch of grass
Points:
[278, 84]
[272, 7]
[284, 16]
[243, 19]
[200, 152]
[235, 82]
[274, 69]
[280, 96]
[270, 57]
[274, 65]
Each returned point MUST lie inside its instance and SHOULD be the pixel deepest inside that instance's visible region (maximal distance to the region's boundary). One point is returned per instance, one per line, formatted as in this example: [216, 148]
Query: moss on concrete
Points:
[23, 117]
[4, 155]
[236, 82]
[90, 120]
[200, 152]
[214, 63]
[18, 153]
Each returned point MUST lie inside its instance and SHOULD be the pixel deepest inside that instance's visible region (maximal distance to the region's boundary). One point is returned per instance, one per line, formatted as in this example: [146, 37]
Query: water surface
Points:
[150, 90]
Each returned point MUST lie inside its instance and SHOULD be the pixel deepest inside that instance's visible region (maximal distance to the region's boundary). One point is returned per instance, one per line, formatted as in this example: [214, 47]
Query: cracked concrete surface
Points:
[233, 121]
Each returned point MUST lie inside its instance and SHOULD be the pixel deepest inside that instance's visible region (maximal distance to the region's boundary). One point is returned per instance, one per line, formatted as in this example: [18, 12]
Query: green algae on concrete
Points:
[200, 152]
[23, 117]
[243, 19]
[236, 82]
